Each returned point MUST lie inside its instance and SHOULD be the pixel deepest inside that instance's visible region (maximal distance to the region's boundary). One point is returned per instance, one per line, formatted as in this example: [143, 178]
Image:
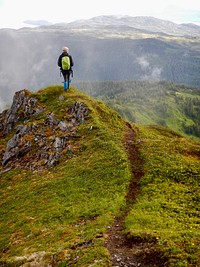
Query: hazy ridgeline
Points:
[29, 57]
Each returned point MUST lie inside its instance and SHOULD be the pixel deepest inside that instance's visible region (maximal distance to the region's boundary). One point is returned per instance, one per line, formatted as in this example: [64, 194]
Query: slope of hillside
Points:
[171, 105]
[72, 168]
[60, 212]
[166, 211]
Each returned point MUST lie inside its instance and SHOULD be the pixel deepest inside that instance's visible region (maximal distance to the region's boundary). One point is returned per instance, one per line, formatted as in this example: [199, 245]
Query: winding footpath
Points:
[126, 251]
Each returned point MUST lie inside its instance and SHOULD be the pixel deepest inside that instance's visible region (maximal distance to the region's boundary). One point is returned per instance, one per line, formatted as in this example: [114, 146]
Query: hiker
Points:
[65, 62]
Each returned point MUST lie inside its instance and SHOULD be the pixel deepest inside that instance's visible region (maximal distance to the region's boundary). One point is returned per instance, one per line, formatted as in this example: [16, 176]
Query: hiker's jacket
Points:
[60, 60]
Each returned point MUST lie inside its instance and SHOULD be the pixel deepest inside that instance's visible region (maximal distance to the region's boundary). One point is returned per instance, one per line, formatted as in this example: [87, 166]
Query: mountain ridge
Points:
[150, 24]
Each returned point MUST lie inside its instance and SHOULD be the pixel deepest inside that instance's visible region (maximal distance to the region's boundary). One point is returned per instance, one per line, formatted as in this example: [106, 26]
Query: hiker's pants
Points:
[66, 74]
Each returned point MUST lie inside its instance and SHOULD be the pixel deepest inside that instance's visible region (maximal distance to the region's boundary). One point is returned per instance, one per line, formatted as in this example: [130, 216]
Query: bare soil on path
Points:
[134, 251]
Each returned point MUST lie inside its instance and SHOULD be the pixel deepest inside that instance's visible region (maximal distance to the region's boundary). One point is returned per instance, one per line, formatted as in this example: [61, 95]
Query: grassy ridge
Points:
[65, 211]
[60, 216]
[167, 208]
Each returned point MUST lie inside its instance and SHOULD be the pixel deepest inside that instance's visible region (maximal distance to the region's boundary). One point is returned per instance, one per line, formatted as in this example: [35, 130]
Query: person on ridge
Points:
[65, 62]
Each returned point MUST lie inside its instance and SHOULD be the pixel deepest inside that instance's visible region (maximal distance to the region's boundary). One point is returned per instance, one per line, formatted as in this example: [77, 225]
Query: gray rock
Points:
[23, 107]
[38, 145]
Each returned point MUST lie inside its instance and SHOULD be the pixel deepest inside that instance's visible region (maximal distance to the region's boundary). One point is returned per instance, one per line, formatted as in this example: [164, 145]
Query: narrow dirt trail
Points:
[124, 251]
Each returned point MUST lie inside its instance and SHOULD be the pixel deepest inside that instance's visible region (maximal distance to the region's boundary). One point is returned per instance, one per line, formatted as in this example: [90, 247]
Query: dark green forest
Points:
[162, 103]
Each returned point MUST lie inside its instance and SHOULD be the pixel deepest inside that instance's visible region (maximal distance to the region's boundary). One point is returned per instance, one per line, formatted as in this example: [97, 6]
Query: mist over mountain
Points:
[103, 48]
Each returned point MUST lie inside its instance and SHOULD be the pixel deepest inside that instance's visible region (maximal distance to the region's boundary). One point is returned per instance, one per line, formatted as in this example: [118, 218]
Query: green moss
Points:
[167, 208]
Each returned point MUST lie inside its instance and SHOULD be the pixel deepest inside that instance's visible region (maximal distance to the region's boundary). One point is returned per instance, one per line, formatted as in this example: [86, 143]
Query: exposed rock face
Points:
[42, 139]
[23, 107]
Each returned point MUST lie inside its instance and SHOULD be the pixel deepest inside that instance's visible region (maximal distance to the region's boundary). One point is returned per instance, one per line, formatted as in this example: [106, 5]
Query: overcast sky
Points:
[14, 12]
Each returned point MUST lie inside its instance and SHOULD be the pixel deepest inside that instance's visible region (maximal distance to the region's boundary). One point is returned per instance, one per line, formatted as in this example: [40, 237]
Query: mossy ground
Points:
[167, 207]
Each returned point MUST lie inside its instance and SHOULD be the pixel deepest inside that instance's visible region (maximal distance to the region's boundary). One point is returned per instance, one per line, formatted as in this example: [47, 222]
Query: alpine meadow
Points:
[107, 172]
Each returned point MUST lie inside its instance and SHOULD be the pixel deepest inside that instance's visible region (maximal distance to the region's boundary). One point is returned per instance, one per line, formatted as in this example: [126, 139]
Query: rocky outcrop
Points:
[39, 138]
[23, 107]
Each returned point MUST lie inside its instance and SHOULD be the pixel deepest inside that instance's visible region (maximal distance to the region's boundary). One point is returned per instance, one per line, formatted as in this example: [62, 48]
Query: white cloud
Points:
[151, 72]
[143, 62]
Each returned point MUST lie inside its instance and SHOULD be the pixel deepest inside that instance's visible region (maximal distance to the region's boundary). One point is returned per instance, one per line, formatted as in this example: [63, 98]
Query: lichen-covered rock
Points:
[37, 143]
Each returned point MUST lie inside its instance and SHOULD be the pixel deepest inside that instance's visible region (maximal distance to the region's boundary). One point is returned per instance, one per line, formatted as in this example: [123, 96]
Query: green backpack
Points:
[65, 63]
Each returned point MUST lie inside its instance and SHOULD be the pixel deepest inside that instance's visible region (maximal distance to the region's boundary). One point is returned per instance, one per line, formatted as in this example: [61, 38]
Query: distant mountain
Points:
[150, 24]
[103, 48]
